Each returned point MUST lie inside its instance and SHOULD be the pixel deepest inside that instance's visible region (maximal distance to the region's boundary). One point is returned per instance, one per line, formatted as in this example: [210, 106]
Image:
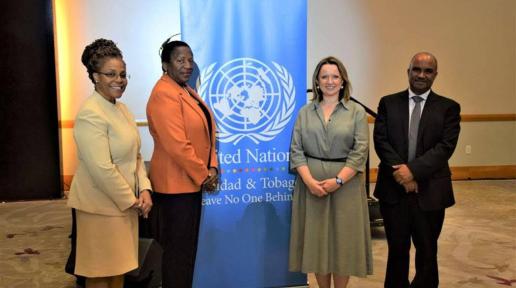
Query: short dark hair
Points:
[167, 48]
[95, 54]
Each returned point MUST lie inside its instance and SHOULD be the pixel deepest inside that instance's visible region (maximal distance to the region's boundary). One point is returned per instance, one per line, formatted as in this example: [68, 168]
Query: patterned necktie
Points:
[414, 126]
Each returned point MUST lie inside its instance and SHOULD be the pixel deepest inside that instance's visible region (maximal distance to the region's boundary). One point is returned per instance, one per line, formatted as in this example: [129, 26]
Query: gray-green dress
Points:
[331, 234]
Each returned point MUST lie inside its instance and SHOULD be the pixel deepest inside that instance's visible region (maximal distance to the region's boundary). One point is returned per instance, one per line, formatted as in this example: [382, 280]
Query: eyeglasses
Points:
[113, 75]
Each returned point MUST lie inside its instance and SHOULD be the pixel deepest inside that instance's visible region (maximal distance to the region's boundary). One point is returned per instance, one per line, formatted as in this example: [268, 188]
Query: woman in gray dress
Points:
[330, 233]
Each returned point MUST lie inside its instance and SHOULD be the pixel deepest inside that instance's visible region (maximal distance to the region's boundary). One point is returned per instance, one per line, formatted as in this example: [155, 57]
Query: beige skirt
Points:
[106, 245]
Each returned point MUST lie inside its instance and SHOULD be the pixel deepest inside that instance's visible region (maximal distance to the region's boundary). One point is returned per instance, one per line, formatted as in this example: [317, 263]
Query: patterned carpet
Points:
[34, 244]
[477, 245]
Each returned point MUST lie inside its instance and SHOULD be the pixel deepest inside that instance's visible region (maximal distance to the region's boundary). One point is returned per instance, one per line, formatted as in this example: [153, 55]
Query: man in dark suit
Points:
[415, 134]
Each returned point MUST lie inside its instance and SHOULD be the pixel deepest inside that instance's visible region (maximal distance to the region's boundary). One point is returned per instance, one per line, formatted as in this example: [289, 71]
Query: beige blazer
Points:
[182, 142]
[110, 165]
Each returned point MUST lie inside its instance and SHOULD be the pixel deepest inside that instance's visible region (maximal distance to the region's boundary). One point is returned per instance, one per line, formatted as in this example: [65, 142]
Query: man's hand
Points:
[410, 187]
[402, 174]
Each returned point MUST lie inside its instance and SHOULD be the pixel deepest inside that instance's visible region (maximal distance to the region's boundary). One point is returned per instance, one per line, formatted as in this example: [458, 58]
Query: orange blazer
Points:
[182, 142]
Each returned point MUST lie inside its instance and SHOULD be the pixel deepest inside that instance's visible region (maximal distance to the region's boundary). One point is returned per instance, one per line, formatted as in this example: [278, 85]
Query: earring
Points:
[341, 87]
[317, 86]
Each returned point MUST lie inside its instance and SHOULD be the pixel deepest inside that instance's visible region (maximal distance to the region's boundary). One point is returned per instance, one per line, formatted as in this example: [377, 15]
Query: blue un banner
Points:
[252, 60]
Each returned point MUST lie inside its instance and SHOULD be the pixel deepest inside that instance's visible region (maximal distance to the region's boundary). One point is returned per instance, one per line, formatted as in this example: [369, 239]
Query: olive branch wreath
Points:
[274, 128]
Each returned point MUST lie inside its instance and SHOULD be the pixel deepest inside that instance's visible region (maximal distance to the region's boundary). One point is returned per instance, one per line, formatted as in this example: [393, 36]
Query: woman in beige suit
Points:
[110, 186]
[183, 161]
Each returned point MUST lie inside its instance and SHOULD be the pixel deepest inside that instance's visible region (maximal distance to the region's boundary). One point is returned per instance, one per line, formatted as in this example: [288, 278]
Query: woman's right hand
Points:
[315, 187]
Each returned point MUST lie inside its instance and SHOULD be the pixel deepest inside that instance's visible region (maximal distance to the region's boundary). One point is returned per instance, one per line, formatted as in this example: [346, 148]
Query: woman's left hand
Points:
[145, 204]
[330, 185]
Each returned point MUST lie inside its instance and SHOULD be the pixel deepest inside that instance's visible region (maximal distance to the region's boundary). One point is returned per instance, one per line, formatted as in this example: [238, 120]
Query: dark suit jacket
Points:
[437, 137]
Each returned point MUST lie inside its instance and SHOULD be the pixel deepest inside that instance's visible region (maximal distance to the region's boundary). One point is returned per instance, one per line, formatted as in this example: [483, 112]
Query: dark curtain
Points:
[29, 145]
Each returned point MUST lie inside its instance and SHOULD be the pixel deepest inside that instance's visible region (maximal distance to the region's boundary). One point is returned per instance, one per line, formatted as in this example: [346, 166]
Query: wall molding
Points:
[458, 173]
[484, 172]
[473, 172]
[488, 117]
[68, 124]
[476, 118]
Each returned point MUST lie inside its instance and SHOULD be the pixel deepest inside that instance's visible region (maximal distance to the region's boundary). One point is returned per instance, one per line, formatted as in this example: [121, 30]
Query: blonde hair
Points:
[344, 93]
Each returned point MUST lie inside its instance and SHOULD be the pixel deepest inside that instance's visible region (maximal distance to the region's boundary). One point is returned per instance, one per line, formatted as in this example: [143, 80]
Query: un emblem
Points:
[249, 99]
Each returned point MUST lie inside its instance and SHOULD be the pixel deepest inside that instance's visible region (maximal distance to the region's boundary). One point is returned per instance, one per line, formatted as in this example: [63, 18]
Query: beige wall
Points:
[492, 144]
[474, 41]
[138, 29]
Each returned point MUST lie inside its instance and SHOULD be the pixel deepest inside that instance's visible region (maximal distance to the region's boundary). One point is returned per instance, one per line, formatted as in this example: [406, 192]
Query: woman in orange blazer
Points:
[183, 162]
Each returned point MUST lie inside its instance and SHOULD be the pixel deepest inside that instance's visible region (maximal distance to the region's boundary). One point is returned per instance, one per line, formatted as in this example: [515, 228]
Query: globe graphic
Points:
[245, 95]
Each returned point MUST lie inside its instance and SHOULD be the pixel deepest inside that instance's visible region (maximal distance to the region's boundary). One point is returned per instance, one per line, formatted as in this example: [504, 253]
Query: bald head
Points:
[422, 72]
[424, 56]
